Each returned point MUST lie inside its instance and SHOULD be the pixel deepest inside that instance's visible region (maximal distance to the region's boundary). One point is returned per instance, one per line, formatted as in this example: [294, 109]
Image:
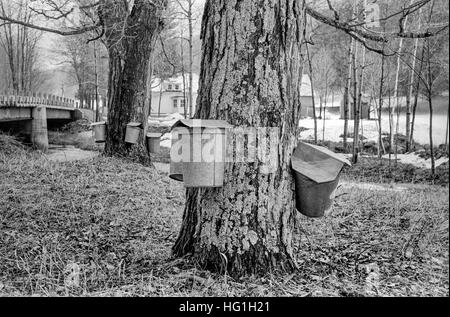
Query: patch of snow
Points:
[334, 128]
[374, 187]
[166, 140]
[417, 161]
[168, 121]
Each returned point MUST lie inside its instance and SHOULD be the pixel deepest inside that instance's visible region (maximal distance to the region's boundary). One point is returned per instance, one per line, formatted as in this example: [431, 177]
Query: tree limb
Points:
[50, 30]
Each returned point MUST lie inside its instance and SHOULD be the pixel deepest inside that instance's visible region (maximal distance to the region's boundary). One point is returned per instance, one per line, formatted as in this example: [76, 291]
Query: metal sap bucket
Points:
[316, 173]
[313, 199]
[133, 132]
[154, 142]
[99, 129]
[203, 151]
[176, 166]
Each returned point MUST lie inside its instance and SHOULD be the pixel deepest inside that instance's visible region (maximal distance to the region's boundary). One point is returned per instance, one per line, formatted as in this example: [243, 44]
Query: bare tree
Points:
[20, 46]
[324, 75]
[187, 11]
[347, 93]
[312, 78]
[410, 93]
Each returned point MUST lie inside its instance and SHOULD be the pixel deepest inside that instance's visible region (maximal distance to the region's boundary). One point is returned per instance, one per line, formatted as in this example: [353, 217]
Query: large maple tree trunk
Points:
[130, 40]
[251, 74]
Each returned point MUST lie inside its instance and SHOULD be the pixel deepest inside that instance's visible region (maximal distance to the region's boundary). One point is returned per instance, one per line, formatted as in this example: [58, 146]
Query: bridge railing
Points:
[35, 99]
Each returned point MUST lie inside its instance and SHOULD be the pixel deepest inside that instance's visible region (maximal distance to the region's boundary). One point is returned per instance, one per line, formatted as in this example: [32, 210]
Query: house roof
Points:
[178, 80]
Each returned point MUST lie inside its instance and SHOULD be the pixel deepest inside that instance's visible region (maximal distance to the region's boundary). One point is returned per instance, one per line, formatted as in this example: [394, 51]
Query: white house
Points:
[172, 95]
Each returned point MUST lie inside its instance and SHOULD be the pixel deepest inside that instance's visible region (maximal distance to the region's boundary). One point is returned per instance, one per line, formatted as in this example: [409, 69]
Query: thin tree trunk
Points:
[430, 105]
[355, 108]
[161, 89]
[247, 227]
[325, 107]
[191, 61]
[358, 115]
[433, 163]
[185, 110]
[398, 108]
[391, 127]
[416, 95]
[347, 95]
[183, 73]
[446, 130]
[312, 93]
[409, 95]
[394, 138]
[380, 110]
[97, 110]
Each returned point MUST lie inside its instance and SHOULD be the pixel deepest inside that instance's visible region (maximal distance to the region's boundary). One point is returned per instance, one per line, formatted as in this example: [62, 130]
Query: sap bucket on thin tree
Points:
[99, 129]
[200, 145]
[133, 132]
[316, 172]
[154, 142]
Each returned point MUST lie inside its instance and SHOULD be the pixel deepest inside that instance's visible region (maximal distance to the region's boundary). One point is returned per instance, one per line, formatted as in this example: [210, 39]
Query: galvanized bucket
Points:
[203, 143]
[316, 173]
[154, 142]
[133, 132]
[313, 199]
[99, 129]
[206, 173]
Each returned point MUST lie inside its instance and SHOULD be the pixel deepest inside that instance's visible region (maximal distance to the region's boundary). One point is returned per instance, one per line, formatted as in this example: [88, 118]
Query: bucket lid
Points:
[98, 123]
[317, 163]
[154, 135]
[135, 124]
[200, 123]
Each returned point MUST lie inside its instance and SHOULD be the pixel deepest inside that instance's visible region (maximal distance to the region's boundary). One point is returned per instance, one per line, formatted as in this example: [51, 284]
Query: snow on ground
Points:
[334, 128]
[168, 121]
[417, 161]
[374, 187]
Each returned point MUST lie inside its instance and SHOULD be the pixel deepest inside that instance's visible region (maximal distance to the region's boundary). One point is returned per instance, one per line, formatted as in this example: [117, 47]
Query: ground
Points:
[105, 227]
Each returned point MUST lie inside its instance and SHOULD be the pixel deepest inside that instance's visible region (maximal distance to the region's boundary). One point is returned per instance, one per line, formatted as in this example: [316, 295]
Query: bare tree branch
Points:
[51, 30]
[368, 35]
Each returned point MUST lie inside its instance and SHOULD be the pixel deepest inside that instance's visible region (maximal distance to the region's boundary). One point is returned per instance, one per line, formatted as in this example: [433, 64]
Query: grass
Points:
[375, 171]
[105, 227]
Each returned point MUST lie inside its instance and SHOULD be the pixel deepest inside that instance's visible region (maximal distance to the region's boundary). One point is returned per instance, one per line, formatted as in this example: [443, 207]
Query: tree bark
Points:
[251, 74]
[129, 54]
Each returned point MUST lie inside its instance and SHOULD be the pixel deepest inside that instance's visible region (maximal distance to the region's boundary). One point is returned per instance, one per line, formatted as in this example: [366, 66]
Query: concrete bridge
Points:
[32, 115]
